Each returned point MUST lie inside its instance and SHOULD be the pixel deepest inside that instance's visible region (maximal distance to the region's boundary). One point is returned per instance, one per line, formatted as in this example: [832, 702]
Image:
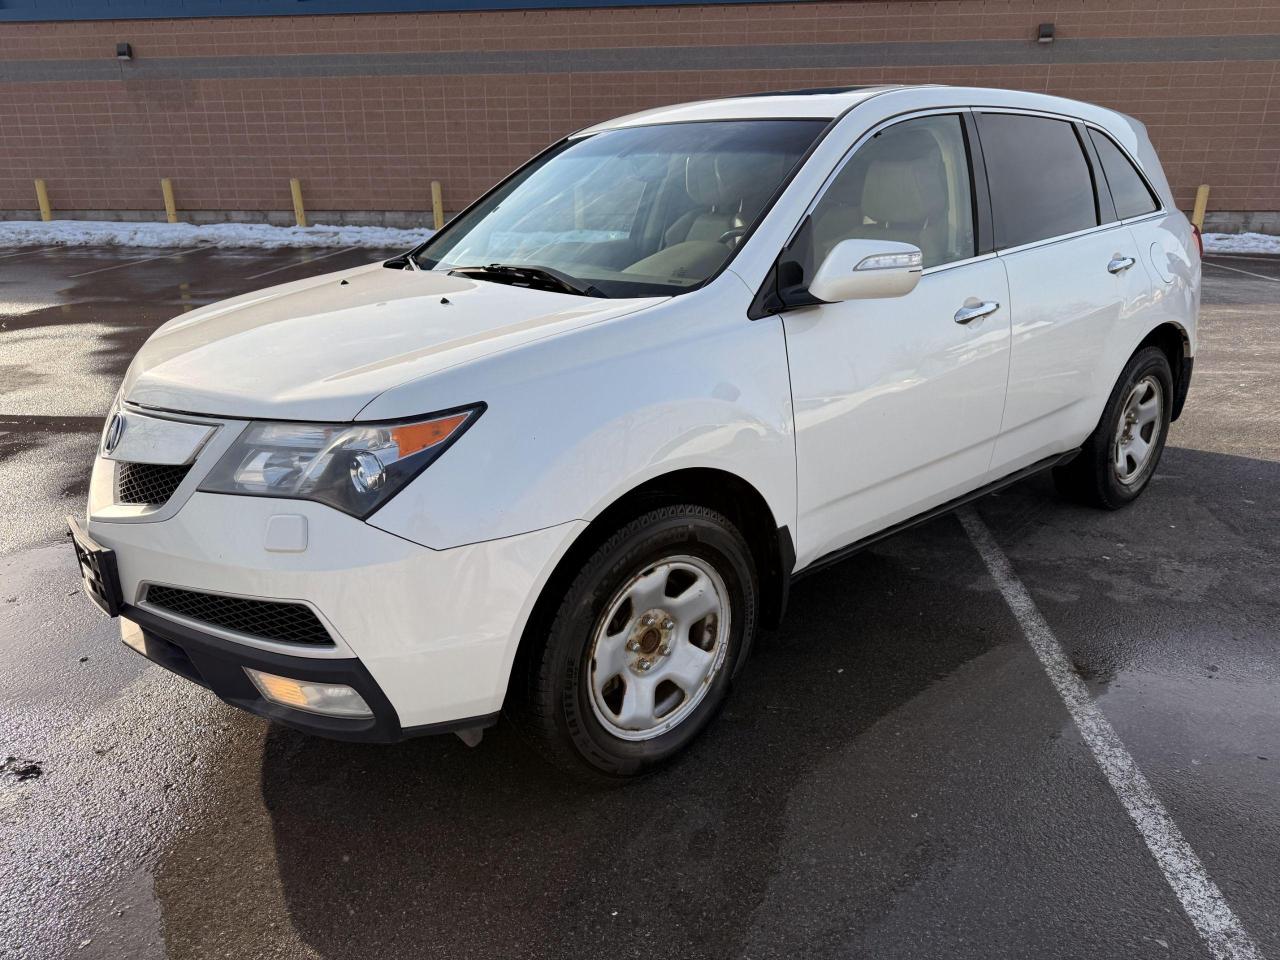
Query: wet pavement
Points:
[895, 775]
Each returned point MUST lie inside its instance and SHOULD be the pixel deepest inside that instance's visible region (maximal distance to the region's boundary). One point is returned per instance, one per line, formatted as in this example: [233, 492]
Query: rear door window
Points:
[1040, 182]
[1132, 196]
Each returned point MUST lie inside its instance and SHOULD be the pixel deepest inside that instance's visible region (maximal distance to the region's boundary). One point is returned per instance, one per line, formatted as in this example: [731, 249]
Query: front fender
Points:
[575, 421]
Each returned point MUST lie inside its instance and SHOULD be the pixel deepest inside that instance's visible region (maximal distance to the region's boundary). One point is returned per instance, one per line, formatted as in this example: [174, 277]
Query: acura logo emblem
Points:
[115, 430]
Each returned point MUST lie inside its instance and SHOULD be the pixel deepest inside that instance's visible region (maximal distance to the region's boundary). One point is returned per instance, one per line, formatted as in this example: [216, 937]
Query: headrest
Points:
[702, 179]
[733, 180]
[906, 181]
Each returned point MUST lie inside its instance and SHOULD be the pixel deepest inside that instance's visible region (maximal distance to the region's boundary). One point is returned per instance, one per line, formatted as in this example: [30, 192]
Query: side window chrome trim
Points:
[1153, 215]
[1063, 238]
[939, 268]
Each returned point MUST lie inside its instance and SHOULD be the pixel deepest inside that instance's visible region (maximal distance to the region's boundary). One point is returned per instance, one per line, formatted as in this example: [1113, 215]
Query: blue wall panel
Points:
[30, 10]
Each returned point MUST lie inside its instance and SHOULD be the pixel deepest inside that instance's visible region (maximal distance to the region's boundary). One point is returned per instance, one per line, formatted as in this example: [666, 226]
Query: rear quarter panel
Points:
[1169, 254]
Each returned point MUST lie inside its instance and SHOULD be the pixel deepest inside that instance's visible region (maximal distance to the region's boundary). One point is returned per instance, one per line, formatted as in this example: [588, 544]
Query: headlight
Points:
[353, 467]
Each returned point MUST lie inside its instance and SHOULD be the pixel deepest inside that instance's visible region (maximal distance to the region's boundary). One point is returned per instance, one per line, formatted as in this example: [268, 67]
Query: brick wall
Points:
[367, 110]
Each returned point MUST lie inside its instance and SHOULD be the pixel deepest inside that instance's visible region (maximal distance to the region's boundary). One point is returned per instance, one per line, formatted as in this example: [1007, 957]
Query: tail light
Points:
[1195, 231]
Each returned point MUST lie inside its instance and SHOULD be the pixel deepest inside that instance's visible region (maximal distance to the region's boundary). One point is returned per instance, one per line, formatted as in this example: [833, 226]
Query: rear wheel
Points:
[1119, 459]
[639, 655]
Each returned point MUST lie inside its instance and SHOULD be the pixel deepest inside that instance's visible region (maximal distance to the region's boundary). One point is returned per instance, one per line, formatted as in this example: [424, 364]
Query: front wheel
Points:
[1119, 459]
[640, 653]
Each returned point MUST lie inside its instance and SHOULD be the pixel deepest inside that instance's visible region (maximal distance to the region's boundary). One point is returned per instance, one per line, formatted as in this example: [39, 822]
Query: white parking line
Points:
[1200, 897]
[130, 263]
[300, 263]
[1223, 266]
[25, 253]
[1265, 257]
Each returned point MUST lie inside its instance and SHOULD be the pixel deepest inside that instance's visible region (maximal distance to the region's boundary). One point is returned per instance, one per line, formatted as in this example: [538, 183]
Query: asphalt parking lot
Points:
[896, 775]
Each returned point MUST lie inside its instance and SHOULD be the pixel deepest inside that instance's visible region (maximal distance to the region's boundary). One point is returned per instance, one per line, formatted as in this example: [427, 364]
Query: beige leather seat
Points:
[692, 245]
[732, 190]
[904, 194]
[712, 188]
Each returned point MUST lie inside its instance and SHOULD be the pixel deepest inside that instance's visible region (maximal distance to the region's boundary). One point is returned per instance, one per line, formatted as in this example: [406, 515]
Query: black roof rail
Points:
[804, 92]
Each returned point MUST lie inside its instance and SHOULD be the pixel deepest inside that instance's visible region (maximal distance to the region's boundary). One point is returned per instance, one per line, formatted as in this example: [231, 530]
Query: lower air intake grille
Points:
[265, 619]
[150, 484]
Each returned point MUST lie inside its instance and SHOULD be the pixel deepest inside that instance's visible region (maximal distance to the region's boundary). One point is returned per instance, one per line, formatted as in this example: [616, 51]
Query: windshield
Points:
[634, 212]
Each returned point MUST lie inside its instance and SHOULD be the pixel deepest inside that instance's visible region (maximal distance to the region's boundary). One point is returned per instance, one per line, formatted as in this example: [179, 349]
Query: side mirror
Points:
[867, 270]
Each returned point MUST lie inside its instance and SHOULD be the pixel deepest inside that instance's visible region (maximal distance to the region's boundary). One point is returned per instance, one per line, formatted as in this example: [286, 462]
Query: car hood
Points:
[323, 348]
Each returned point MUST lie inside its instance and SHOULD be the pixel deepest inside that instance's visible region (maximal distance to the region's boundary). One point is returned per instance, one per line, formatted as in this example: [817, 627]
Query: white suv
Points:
[564, 459]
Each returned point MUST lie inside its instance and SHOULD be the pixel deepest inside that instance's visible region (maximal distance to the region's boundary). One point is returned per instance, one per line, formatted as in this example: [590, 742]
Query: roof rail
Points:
[804, 92]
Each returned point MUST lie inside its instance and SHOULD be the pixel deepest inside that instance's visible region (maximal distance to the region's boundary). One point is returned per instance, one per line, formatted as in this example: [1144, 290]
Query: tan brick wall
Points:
[375, 142]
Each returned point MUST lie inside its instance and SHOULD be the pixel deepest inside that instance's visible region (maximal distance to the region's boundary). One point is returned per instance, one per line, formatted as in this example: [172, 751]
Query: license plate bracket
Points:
[97, 569]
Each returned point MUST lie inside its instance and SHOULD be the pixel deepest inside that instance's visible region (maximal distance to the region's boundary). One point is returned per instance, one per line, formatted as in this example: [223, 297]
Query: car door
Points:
[897, 402]
[1074, 274]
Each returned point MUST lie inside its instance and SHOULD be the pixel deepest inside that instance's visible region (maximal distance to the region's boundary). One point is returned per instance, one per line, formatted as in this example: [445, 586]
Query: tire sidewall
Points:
[692, 531]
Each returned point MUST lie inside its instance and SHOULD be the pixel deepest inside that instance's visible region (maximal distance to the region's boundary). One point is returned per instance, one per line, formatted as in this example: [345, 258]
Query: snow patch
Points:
[95, 233]
[1241, 243]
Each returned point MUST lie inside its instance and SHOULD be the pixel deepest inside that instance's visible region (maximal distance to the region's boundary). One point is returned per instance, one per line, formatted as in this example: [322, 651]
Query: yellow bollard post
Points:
[437, 204]
[42, 198]
[170, 208]
[299, 213]
[1202, 204]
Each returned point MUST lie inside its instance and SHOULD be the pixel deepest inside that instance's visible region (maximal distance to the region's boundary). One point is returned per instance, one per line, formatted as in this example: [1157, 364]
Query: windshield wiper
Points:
[544, 278]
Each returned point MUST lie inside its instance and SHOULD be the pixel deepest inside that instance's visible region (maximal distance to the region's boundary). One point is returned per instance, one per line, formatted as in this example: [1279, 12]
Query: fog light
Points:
[331, 699]
[131, 634]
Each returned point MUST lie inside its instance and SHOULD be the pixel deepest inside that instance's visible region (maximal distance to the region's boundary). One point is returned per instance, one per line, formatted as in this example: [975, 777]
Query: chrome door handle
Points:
[969, 314]
[1119, 264]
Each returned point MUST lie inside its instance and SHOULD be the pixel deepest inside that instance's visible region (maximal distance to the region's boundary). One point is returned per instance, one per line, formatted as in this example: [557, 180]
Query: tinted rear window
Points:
[1128, 189]
[1040, 181]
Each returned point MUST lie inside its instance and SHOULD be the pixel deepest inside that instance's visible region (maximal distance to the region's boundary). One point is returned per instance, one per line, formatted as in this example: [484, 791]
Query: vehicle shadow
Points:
[429, 849]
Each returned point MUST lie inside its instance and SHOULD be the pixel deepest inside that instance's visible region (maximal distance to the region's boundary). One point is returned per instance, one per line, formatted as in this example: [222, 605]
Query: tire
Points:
[580, 693]
[1119, 458]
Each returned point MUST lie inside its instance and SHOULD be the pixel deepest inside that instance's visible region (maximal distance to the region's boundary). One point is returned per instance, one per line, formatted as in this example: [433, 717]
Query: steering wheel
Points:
[735, 234]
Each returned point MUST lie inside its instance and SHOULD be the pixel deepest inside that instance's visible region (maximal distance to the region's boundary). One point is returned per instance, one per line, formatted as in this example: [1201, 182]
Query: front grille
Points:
[150, 484]
[265, 619]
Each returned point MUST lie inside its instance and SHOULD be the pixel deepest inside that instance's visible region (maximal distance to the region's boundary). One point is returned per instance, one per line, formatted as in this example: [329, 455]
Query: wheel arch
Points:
[771, 545]
[1174, 341]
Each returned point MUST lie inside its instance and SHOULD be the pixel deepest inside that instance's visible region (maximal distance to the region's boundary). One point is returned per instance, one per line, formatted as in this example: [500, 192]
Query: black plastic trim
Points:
[984, 240]
[230, 612]
[218, 665]
[98, 572]
[786, 571]
[1104, 205]
[858, 546]
[1181, 387]
[805, 91]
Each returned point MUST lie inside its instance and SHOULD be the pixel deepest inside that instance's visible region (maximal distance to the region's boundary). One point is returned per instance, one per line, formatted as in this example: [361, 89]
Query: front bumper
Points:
[427, 637]
[219, 665]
